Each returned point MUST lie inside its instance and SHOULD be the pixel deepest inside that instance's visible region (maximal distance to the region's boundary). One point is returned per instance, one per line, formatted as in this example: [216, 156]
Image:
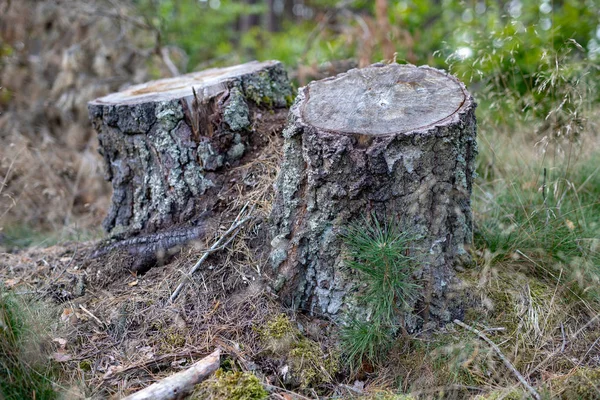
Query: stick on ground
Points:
[218, 245]
[176, 386]
[505, 360]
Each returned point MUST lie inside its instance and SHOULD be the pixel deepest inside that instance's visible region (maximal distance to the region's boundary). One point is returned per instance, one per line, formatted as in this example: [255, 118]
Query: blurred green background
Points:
[514, 54]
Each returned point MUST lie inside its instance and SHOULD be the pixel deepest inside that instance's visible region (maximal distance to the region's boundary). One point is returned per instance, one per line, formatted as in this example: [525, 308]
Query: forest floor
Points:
[111, 332]
[88, 328]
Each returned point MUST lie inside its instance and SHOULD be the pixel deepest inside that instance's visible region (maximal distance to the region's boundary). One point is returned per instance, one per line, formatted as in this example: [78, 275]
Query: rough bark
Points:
[394, 140]
[165, 143]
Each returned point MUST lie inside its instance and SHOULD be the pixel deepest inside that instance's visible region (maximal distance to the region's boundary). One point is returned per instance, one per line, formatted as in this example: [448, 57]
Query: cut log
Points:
[179, 385]
[394, 140]
[165, 143]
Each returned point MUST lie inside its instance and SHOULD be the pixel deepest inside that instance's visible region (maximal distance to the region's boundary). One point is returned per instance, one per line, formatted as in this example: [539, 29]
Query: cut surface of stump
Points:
[167, 143]
[394, 141]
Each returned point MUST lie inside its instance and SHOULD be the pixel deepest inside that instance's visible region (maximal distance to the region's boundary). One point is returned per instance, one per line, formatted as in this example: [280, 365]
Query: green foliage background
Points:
[513, 54]
[510, 34]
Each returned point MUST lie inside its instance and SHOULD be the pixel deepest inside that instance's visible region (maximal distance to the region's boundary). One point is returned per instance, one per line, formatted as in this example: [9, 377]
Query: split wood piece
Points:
[182, 383]
[397, 141]
[166, 143]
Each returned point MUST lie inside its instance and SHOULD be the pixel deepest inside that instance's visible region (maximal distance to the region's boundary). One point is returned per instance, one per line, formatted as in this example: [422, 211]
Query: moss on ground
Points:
[277, 328]
[173, 338]
[504, 394]
[231, 386]
[309, 365]
[582, 383]
[386, 395]
[518, 312]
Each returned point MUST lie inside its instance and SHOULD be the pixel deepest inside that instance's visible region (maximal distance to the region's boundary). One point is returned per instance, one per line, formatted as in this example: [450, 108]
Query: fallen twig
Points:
[505, 360]
[156, 362]
[98, 321]
[223, 241]
[177, 385]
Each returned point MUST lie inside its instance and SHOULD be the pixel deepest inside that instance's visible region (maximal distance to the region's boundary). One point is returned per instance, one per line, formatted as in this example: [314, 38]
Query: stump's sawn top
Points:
[207, 82]
[380, 100]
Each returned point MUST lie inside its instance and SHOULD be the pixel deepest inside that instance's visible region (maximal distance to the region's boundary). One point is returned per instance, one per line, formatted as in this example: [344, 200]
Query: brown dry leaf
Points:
[134, 283]
[67, 315]
[9, 283]
[62, 343]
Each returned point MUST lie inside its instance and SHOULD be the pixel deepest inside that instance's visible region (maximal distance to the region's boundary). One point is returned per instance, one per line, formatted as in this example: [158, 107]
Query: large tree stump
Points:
[165, 142]
[394, 140]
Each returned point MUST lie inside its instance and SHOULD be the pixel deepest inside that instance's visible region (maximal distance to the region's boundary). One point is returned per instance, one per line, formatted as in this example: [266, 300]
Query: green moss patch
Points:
[309, 365]
[582, 383]
[386, 395]
[231, 386]
[504, 394]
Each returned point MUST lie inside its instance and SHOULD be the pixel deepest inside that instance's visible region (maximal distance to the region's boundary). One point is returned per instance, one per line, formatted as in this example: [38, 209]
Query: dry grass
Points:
[56, 56]
[125, 335]
[122, 332]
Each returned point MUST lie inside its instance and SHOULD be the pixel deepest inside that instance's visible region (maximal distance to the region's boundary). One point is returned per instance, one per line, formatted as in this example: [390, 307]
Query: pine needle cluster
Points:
[381, 252]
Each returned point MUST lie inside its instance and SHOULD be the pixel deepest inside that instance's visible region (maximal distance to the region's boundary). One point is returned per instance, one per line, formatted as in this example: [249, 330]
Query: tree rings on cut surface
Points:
[395, 141]
[382, 101]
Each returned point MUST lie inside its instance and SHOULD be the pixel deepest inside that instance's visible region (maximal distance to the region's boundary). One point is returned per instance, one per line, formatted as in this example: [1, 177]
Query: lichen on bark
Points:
[165, 144]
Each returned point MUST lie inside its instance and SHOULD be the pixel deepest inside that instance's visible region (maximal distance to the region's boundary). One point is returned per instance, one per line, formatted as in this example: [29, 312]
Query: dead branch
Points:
[181, 383]
[153, 363]
[505, 360]
[98, 321]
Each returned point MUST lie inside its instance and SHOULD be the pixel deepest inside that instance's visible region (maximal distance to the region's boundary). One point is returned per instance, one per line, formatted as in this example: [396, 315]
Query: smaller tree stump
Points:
[394, 140]
[166, 142]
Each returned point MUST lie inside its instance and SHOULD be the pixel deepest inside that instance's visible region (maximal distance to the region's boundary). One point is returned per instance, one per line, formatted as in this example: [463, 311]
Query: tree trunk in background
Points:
[384, 29]
[274, 15]
[248, 21]
[394, 140]
[165, 143]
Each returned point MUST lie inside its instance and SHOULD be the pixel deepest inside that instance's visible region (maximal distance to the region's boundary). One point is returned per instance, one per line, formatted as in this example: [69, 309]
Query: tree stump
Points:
[394, 140]
[166, 142]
